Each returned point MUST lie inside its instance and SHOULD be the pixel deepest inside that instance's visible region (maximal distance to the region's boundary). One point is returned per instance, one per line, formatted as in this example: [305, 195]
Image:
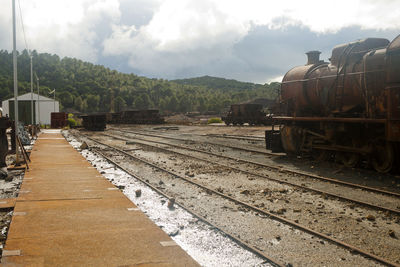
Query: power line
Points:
[23, 28]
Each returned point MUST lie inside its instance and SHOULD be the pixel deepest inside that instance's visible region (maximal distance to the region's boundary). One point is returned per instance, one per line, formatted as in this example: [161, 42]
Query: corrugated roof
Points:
[28, 97]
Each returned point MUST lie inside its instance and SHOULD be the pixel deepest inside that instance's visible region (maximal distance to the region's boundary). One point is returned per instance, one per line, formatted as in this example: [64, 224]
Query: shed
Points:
[44, 104]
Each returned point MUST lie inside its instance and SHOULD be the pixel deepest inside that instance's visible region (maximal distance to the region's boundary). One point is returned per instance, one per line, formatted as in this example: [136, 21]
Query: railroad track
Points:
[233, 237]
[205, 142]
[223, 136]
[264, 165]
[238, 137]
[321, 192]
[251, 207]
[228, 136]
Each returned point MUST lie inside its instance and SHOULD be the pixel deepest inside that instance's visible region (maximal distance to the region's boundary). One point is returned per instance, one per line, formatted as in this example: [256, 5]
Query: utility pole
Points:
[38, 101]
[30, 53]
[54, 100]
[15, 83]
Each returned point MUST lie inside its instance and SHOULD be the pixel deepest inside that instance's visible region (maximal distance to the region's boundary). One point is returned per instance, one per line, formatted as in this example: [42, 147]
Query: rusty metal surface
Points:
[394, 45]
[94, 122]
[250, 113]
[331, 119]
[353, 81]
[6, 203]
[68, 216]
[58, 119]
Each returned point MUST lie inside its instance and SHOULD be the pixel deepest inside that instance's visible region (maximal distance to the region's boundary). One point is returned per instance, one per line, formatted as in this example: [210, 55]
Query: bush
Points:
[71, 122]
[214, 120]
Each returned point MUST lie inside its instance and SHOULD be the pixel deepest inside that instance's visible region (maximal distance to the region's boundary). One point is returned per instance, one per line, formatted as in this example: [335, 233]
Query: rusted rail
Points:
[239, 137]
[205, 142]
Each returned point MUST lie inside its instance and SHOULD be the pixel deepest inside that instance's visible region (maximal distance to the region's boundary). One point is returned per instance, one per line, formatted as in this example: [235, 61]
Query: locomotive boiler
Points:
[348, 108]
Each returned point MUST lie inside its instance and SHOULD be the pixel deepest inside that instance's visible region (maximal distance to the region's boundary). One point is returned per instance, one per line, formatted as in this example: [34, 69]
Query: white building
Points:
[41, 111]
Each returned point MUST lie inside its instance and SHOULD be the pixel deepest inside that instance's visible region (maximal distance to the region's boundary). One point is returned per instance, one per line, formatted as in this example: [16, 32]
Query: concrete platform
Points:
[67, 214]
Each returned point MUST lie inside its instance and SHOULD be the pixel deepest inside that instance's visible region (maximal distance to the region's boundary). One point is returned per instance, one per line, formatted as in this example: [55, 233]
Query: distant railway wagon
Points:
[97, 122]
[58, 119]
[112, 117]
[94, 122]
[144, 116]
[246, 113]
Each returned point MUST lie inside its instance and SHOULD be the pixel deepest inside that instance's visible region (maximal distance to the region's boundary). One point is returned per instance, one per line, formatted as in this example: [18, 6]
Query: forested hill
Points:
[218, 83]
[85, 87]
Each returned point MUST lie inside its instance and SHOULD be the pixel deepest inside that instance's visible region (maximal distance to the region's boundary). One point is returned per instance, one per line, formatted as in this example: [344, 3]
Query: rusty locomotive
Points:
[348, 108]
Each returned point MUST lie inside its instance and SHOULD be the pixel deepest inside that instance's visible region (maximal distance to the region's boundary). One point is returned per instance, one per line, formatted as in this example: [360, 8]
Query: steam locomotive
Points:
[348, 108]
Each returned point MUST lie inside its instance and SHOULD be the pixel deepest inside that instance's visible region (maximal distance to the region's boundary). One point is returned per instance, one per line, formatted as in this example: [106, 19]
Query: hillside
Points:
[86, 87]
[218, 83]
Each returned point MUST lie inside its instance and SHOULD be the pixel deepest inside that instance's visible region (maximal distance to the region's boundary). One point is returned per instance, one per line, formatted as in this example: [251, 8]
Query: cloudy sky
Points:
[246, 40]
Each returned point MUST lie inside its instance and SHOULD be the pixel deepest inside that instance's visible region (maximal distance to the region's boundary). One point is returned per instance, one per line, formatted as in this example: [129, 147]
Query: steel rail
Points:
[205, 142]
[327, 179]
[239, 137]
[233, 237]
[224, 136]
[271, 215]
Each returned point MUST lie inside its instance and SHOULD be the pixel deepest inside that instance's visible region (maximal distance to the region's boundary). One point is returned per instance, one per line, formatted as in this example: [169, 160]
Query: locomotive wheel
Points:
[349, 160]
[382, 157]
[320, 155]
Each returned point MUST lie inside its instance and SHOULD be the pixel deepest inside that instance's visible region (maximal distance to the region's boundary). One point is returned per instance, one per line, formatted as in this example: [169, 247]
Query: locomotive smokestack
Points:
[313, 57]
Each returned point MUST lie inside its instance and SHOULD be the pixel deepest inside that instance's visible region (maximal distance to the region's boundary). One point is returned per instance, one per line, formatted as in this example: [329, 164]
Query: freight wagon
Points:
[246, 113]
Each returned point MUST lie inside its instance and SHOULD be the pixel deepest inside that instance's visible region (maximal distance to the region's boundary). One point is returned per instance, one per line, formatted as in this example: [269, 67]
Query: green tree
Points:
[67, 99]
[93, 103]
[184, 104]
[78, 103]
[119, 103]
[172, 104]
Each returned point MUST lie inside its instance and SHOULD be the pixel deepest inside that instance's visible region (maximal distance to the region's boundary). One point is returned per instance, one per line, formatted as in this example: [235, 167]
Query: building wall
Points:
[46, 107]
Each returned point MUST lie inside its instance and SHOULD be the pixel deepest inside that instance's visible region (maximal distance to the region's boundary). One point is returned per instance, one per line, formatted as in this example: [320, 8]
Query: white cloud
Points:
[170, 38]
[320, 16]
[68, 28]
[190, 33]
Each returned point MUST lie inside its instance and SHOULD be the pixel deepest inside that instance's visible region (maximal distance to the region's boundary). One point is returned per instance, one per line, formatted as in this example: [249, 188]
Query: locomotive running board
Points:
[329, 119]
